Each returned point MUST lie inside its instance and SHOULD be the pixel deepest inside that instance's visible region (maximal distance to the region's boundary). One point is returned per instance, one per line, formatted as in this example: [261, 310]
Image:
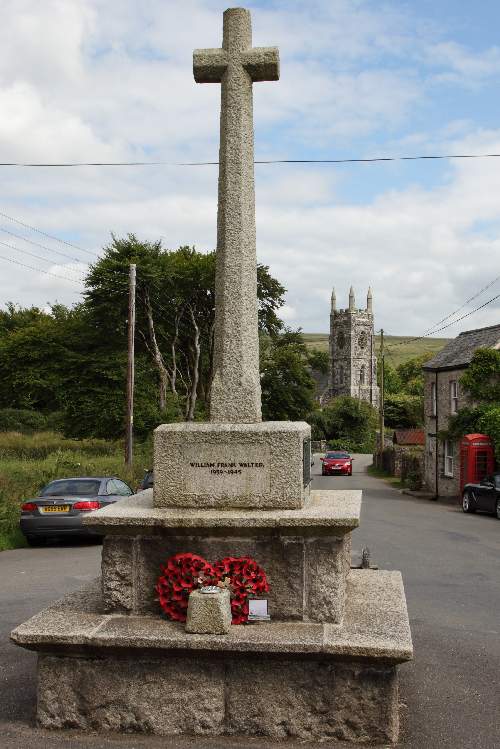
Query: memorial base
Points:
[279, 680]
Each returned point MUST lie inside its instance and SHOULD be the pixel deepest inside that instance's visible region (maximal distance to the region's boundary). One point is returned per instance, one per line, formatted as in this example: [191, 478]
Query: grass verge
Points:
[28, 462]
[379, 473]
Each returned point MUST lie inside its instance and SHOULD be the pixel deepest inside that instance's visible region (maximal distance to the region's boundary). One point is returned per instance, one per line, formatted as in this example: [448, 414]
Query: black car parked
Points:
[484, 496]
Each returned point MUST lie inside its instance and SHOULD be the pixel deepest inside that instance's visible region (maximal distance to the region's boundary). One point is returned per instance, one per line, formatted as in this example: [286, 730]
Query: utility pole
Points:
[129, 426]
[382, 392]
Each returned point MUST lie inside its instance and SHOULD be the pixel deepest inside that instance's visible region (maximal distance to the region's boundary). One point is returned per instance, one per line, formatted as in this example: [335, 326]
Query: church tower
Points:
[353, 361]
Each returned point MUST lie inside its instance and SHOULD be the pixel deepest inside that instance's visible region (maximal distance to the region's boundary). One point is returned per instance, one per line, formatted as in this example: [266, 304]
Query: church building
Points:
[353, 359]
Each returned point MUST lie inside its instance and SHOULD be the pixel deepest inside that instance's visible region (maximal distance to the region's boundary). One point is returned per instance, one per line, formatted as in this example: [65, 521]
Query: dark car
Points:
[147, 480]
[60, 506]
[337, 462]
[484, 496]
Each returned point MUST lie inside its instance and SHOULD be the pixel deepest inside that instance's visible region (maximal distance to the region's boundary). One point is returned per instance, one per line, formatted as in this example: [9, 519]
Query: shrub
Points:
[21, 420]
[403, 411]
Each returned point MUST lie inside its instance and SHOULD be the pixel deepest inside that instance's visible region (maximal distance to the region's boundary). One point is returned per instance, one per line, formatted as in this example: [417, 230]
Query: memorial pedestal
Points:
[264, 465]
[325, 667]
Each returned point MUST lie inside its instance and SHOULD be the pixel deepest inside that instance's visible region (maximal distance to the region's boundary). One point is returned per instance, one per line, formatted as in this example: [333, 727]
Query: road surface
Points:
[450, 564]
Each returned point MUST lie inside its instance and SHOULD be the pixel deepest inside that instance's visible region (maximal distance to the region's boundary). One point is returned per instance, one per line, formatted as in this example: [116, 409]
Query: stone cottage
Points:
[443, 397]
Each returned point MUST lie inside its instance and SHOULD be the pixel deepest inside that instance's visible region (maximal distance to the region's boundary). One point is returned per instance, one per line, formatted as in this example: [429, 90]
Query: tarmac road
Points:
[450, 564]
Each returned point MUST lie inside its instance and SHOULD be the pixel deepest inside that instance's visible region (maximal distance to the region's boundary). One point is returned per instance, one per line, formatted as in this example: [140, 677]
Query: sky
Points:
[111, 80]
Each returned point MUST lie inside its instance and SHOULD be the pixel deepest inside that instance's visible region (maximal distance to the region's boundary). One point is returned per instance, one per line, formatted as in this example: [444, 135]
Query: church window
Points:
[341, 340]
[341, 375]
[363, 339]
[362, 375]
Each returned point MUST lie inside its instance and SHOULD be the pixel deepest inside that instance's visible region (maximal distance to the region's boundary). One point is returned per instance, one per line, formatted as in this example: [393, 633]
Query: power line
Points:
[372, 160]
[50, 236]
[453, 322]
[470, 299]
[25, 252]
[39, 270]
[44, 247]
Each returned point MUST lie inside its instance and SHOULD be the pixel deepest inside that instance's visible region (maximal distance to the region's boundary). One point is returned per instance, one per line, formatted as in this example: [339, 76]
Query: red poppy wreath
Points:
[183, 573]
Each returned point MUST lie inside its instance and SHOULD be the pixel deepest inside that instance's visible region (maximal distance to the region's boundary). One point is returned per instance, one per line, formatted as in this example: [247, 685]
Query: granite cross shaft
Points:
[235, 395]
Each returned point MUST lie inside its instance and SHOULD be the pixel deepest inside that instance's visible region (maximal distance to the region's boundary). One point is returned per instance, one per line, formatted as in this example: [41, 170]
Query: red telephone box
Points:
[477, 458]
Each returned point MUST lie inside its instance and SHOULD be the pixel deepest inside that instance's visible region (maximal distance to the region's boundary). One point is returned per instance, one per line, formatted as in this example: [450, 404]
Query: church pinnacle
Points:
[333, 300]
[369, 301]
[351, 300]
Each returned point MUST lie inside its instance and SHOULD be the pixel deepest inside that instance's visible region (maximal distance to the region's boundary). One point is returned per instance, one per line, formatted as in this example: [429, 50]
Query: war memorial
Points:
[324, 666]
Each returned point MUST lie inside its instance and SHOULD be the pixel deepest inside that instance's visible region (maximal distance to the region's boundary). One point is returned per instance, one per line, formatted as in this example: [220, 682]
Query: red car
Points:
[337, 463]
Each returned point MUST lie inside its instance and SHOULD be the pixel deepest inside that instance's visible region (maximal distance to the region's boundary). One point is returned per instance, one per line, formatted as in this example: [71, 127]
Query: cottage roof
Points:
[458, 353]
[409, 437]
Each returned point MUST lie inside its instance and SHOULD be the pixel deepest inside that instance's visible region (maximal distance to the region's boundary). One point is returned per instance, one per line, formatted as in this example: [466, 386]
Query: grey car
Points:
[61, 504]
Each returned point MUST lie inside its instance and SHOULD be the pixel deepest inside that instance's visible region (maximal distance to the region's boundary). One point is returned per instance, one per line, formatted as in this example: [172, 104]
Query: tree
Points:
[411, 374]
[287, 385]
[319, 360]
[347, 422]
[175, 311]
[403, 411]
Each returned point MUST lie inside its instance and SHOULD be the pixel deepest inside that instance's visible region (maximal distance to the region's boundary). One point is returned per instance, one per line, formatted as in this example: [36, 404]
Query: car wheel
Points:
[467, 503]
[498, 509]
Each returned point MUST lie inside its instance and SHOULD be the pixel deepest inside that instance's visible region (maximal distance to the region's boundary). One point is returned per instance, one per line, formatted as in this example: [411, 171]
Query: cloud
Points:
[105, 81]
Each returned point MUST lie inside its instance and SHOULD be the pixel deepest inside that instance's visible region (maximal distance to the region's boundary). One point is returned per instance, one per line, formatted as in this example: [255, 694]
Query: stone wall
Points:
[404, 462]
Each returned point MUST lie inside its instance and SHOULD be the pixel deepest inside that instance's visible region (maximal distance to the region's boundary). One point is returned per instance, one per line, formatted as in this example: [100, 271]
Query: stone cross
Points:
[235, 395]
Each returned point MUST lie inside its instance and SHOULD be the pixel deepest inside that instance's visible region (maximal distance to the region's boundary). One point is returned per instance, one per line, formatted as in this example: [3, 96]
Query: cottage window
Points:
[433, 399]
[453, 397]
[448, 458]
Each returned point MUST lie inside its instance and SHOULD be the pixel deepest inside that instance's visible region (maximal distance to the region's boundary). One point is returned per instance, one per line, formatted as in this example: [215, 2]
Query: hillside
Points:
[396, 354]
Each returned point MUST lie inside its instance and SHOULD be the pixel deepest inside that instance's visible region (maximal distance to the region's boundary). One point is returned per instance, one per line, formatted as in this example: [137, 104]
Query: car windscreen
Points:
[332, 456]
[78, 487]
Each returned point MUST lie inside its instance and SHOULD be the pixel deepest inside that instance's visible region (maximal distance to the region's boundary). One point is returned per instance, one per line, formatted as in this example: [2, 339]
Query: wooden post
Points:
[382, 393]
[129, 426]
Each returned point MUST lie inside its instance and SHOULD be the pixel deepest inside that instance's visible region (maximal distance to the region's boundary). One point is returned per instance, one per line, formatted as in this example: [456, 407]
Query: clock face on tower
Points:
[341, 339]
[363, 339]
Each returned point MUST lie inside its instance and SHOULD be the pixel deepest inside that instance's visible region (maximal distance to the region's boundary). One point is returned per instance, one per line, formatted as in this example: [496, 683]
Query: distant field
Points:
[396, 354]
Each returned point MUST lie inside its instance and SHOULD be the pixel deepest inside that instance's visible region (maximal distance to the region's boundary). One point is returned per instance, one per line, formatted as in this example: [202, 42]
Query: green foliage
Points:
[466, 421]
[319, 360]
[482, 377]
[29, 462]
[42, 444]
[287, 385]
[411, 374]
[392, 380]
[346, 422]
[69, 365]
[489, 423]
[482, 383]
[21, 420]
[403, 411]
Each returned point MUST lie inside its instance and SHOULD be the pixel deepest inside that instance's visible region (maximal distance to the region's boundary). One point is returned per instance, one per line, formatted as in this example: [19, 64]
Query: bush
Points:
[21, 420]
[42, 444]
[403, 411]
[347, 422]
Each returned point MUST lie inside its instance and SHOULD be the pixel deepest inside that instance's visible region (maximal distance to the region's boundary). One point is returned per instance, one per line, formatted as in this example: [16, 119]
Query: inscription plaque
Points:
[227, 469]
